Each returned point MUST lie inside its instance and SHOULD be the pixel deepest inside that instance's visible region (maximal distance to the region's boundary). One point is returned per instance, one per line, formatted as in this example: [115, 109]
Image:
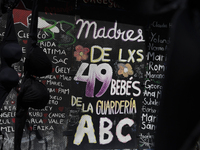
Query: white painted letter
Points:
[81, 130]
[122, 138]
[105, 130]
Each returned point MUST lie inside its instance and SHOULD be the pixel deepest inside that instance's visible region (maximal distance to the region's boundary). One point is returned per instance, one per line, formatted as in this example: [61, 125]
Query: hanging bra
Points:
[10, 52]
[33, 93]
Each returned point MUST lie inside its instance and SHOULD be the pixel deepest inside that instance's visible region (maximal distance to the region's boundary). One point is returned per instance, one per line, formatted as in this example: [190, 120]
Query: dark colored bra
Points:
[10, 52]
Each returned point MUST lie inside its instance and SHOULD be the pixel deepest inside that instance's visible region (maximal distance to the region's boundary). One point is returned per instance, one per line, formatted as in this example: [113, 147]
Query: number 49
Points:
[95, 72]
